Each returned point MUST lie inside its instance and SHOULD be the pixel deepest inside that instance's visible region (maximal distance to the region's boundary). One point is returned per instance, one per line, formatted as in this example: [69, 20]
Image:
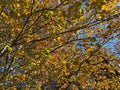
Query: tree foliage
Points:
[59, 44]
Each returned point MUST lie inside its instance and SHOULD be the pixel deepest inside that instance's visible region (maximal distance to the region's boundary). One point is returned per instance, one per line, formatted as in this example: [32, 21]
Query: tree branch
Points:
[87, 60]
[75, 29]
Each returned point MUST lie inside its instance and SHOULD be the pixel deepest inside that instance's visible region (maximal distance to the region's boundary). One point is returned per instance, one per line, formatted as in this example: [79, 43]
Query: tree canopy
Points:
[59, 44]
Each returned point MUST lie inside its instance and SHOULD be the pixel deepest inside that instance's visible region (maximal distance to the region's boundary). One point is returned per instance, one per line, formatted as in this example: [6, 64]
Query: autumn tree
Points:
[59, 44]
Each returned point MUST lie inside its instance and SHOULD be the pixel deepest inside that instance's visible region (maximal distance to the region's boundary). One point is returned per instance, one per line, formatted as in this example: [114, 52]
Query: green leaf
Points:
[48, 51]
[9, 48]
[81, 10]
[93, 39]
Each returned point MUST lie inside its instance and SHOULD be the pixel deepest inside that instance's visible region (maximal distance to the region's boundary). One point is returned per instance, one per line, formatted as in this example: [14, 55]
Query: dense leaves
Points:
[59, 44]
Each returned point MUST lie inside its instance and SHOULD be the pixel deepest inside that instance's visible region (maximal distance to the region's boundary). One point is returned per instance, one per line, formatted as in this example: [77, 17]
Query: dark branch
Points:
[87, 60]
[75, 29]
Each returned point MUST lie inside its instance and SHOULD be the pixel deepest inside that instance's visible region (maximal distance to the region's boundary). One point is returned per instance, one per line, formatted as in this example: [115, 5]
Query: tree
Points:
[59, 44]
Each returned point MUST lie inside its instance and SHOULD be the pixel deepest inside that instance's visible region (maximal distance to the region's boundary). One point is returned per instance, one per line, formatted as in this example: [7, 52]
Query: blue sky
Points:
[111, 43]
[118, 4]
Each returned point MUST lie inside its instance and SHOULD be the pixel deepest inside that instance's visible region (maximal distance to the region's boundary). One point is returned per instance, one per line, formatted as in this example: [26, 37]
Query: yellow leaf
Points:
[118, 87]
[107, 87]
[18, 5]
[51, 12]
[48, 51]
[9, 48]
[80, 10]
[82, 18]
[99, 16]
[83, 86]
[18, 14]
[111, 71]
[27, 0]
[26, 12]
[83, 79]
[89, 51]
[59, 38]
[4, 15]
[103, 7]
